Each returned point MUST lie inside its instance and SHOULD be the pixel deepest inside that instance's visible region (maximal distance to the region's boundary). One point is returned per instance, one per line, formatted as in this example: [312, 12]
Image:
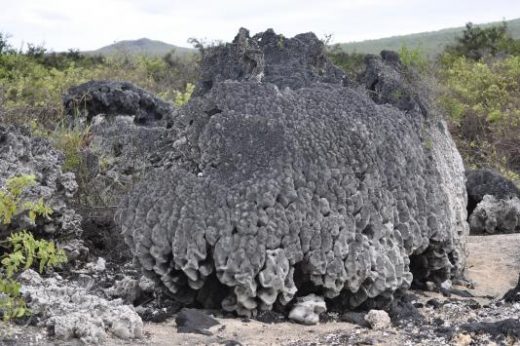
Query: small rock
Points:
[378, 319]
[355, 318]
[462, 340]
[308, 309]
[101, 265]
[30, 277]
[194, 321]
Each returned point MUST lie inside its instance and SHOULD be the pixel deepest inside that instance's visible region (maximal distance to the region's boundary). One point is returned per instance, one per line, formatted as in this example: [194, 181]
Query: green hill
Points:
[432, 43]
[143, 46]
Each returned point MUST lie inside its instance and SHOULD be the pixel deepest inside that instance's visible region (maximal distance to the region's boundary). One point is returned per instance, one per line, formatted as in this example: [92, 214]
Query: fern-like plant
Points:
[22, 251]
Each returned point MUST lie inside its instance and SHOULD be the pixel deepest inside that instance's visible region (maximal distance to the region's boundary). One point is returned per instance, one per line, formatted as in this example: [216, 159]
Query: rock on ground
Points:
[281, 174]
[493, 215]
[69, 311]
[194, 321]
[378, 319]
[481, 182]
[307, 309]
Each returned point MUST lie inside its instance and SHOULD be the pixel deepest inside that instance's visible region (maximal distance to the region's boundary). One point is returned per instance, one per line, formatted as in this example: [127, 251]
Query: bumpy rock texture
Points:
[481, 182]
[115, 98]
[493, 204]
[126, 125]
[20, 153]
[69, 311]
[282, 178]
[494, 215]
[308, 309]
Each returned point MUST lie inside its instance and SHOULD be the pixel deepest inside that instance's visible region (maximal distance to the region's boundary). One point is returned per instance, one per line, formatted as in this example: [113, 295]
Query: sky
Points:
[91, 24]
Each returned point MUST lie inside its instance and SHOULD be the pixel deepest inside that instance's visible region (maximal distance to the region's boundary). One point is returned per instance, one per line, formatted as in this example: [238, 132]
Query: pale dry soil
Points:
[493, 264]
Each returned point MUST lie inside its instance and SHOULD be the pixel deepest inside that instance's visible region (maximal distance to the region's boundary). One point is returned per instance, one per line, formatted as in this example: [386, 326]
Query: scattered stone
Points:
[127, 288]
[462, 340]
[307, 309]
[355, 318]
[378, 319]
[194, 321]
[68, 311]
[98, 266]
[497, 330]
[270, 316]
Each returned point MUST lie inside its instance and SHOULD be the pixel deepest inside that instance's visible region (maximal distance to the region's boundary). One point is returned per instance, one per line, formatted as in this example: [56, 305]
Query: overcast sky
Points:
[90, 24]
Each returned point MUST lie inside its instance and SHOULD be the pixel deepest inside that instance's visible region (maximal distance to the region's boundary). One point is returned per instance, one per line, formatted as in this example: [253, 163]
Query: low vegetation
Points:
[21, 250]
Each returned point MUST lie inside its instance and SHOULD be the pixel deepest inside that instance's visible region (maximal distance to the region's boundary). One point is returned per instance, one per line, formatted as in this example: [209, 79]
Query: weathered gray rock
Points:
[127, 289]
[285, 62]
[493, 202]
[493, 215]
[308, 309]
[481, 182]
[69, 311]
[194, 321]
[118, 154]
[378, 319]
[113, 98]
[513, 295]
[271, 184]
[20, 153]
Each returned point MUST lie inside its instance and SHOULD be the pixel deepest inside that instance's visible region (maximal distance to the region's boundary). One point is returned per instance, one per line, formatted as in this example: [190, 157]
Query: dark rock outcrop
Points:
[513, 295]
[493, 204]
[494, 215]
[115, 98]
[481, 182]
[20, 154]
[280, 181]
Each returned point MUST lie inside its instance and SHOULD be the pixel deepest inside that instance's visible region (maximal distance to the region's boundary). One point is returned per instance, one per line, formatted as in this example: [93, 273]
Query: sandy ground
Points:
[493, 265]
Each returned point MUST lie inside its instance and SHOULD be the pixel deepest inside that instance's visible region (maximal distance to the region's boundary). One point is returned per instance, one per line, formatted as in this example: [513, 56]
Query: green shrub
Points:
[183, 97]
[482, 100]
[21, 250]
[413, 58]
[351, 63]
[479, 42]
[12, 204]
[70, 141]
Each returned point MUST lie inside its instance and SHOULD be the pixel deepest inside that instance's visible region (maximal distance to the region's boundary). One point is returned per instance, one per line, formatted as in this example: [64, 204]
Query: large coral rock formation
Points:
[282, 178]
[21, 153]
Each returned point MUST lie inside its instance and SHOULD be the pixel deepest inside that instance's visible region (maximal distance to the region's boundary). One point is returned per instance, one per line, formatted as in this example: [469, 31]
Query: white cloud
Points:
[63, 24]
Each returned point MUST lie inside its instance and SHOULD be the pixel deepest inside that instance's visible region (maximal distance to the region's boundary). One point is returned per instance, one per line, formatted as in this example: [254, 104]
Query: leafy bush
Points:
[11, 203]
[32, 83]
[413, 58]
[478, 42]
[21, 250]
[70, 141]
[183, 97]
[482, 99]
[351, 63]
